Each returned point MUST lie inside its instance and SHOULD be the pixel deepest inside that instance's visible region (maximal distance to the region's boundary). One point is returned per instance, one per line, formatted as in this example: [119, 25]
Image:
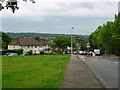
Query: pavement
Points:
[78, 75]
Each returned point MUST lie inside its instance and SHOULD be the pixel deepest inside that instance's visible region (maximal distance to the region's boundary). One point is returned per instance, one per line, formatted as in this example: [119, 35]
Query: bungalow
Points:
[27, 44]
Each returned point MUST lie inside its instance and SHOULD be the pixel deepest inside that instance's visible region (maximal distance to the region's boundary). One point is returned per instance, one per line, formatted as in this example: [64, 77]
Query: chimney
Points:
[18, 41]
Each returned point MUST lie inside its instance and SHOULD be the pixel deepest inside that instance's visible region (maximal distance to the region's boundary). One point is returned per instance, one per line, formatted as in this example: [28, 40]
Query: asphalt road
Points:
[106, 69]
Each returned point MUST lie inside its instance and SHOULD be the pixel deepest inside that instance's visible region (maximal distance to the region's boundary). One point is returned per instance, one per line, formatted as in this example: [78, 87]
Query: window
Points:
[31, 46]
[14, 46]
[23, 47]
[40, 46]
[28, 46]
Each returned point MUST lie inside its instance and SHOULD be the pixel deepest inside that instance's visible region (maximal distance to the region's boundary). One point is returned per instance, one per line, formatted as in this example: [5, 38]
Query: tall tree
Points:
[5, 40]
[107, 37]
[12, 4]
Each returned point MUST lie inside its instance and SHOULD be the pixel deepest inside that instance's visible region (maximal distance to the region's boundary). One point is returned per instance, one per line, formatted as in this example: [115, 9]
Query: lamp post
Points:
[71, 40]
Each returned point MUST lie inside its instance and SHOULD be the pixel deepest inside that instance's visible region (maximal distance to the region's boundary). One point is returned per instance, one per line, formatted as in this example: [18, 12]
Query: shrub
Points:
[118, 54]
[59, 52]
[52, 53]
[30, 52]
[18, 51]
[42, 52]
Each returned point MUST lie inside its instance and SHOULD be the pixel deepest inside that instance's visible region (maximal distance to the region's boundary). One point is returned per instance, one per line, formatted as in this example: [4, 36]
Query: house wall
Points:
[11, 47]
[35, 49]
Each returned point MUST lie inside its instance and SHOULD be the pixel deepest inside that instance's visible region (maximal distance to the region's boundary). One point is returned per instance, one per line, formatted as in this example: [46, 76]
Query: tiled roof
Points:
[44, 42]
[24, 41]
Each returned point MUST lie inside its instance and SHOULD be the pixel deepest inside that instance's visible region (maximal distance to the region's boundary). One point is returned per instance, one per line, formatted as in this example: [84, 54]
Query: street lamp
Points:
[71, 40]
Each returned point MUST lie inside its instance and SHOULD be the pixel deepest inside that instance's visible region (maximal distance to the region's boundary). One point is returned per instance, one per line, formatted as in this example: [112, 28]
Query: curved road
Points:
[106, 69]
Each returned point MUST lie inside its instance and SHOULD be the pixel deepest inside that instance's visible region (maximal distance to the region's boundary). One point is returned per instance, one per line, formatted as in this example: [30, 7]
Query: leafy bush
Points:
[59, 51]
[42, 52]
[18, 51]
[118, 54]
[48, 53]
[30, 52]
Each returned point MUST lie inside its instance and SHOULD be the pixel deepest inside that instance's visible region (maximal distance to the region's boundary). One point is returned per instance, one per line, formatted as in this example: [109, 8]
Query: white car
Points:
[13, 54]
[81, 52]
[75, 52]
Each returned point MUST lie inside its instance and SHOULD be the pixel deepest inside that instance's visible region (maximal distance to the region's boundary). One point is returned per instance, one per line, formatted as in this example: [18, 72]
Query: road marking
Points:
[82, 58]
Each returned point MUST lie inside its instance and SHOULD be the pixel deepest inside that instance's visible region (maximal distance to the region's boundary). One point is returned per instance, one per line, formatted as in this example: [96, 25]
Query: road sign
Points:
[88, 44]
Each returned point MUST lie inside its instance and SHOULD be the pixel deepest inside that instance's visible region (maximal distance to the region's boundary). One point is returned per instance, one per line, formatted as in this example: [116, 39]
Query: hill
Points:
[42, 35]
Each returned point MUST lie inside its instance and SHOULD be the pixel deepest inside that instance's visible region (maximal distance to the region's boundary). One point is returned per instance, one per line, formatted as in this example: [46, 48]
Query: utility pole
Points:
[71, 40]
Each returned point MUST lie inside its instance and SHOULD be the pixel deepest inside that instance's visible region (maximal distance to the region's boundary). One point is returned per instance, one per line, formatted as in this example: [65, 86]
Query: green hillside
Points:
[42, 35]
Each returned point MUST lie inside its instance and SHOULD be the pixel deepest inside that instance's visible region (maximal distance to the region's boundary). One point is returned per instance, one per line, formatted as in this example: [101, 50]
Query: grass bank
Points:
[39, 71]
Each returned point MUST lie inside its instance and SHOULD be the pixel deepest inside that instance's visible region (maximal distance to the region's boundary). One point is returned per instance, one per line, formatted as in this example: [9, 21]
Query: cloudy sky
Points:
[58, 16]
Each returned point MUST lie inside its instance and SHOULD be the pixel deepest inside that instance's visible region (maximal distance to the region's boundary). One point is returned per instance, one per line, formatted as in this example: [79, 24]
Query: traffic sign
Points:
[88, 44]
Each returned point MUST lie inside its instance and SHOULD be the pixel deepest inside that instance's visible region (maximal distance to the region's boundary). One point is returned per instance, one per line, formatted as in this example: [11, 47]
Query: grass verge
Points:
[37, 71]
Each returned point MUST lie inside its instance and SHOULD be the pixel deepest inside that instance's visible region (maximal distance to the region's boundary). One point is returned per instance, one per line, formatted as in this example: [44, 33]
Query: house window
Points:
[23, 47]
[35, 46]
[35, 51]
[28, 46]
[14, 46]
[31, 46]
[40, 46]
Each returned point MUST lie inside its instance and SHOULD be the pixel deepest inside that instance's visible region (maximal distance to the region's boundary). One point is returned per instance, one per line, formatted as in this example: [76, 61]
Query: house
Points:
[27, 44]
[45, 43]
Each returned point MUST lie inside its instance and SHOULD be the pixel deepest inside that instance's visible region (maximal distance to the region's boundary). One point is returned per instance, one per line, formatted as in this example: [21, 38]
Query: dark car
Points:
[24, 54]
[7, 54]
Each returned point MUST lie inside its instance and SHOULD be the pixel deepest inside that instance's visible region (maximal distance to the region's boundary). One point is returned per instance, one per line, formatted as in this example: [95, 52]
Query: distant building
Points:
[27, 44]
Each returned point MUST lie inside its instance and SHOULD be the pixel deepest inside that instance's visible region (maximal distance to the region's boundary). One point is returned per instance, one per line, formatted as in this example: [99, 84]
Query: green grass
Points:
[38, 71]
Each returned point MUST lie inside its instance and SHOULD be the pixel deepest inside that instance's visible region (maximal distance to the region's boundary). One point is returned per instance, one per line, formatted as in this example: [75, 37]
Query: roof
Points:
[25, 41]
[44, 42]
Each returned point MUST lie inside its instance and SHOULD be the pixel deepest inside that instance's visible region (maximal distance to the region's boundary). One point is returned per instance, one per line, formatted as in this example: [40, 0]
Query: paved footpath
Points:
[78, 75]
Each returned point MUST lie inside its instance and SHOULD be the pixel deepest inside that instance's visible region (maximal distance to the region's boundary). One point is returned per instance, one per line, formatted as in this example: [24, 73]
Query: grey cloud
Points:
[75, 5]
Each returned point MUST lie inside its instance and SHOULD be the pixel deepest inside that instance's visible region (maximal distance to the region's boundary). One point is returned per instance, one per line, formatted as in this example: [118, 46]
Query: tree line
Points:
[107, 37]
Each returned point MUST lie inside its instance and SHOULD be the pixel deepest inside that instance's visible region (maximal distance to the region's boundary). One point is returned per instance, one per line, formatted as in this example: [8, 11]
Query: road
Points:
[105, 68]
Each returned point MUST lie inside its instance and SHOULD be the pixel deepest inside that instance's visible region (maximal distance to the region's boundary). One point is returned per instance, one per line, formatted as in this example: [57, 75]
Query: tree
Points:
[107, 37]
[12, 4]
[62, 42]
[5, 40]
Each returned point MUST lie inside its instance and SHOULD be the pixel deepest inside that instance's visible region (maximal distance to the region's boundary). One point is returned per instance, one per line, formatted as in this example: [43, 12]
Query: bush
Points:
[48, 53]
[18, 51]
[59, 52]
[30, 52]
[42, 52]
[118, 54]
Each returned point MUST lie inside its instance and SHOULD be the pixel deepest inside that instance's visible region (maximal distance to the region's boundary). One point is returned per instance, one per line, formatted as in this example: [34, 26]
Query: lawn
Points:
[37, 71]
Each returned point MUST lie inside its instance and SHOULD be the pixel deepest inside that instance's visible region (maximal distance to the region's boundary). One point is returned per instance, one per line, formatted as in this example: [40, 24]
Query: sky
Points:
[59, 16]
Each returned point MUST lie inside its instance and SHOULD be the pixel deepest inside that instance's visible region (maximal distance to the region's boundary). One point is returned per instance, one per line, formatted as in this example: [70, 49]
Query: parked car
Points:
[81, 52]
[47, 51]
[55, 53]
[75, 52]
[85, 52]
[91, 53]
[13, 54]
[24, 54]
[7, 54]
[68, 52]
[97, 52]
